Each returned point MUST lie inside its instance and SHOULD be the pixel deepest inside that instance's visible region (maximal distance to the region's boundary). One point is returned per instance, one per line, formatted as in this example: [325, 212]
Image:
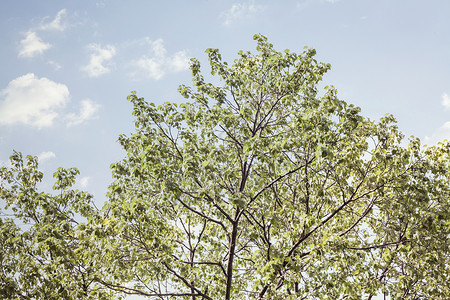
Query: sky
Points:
[68, 66]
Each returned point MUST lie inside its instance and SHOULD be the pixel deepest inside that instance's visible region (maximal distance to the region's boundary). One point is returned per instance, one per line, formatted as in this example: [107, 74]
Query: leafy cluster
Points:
[260, 188]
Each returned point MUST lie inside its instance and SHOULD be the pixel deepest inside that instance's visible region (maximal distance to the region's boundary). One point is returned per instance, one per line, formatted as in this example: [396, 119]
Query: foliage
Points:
[42, 253]
[260, 188]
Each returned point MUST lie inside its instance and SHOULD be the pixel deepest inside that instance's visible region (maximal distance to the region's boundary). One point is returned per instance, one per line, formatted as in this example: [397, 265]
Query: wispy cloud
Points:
[439, 135]
[54, 64]
[87, 111]
[99, 63]
[443, 132]
[445, 101]
[32, 45]
[240, 11]
[44, 156]
[158, 63]
[5, 163]
[101, 3]
[33, 101]
[56, 24]
[84, 181]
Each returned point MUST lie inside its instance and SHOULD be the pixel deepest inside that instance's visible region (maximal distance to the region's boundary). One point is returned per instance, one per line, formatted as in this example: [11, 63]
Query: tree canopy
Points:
[259, 187]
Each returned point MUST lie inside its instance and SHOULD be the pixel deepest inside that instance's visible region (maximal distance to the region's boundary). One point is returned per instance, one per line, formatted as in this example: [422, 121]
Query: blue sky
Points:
[68, 66]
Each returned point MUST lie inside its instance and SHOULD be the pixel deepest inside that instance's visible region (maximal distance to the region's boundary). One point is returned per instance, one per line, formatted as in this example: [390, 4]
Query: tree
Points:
[262, 188]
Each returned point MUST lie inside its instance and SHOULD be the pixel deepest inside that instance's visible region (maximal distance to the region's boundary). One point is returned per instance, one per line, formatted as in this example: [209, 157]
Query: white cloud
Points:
[443, 132]
[179, 62]
[240, 11]
[45, 156]
[87, 111]
[5, 163]
[32, 45]
[84, 181]
[99, 57]
[332, 1]
[56, 24]
[101, 4]
[32, 100]
[439, 135]
[54, 64]
[445, 101]
[302, 4]
[159, 63]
